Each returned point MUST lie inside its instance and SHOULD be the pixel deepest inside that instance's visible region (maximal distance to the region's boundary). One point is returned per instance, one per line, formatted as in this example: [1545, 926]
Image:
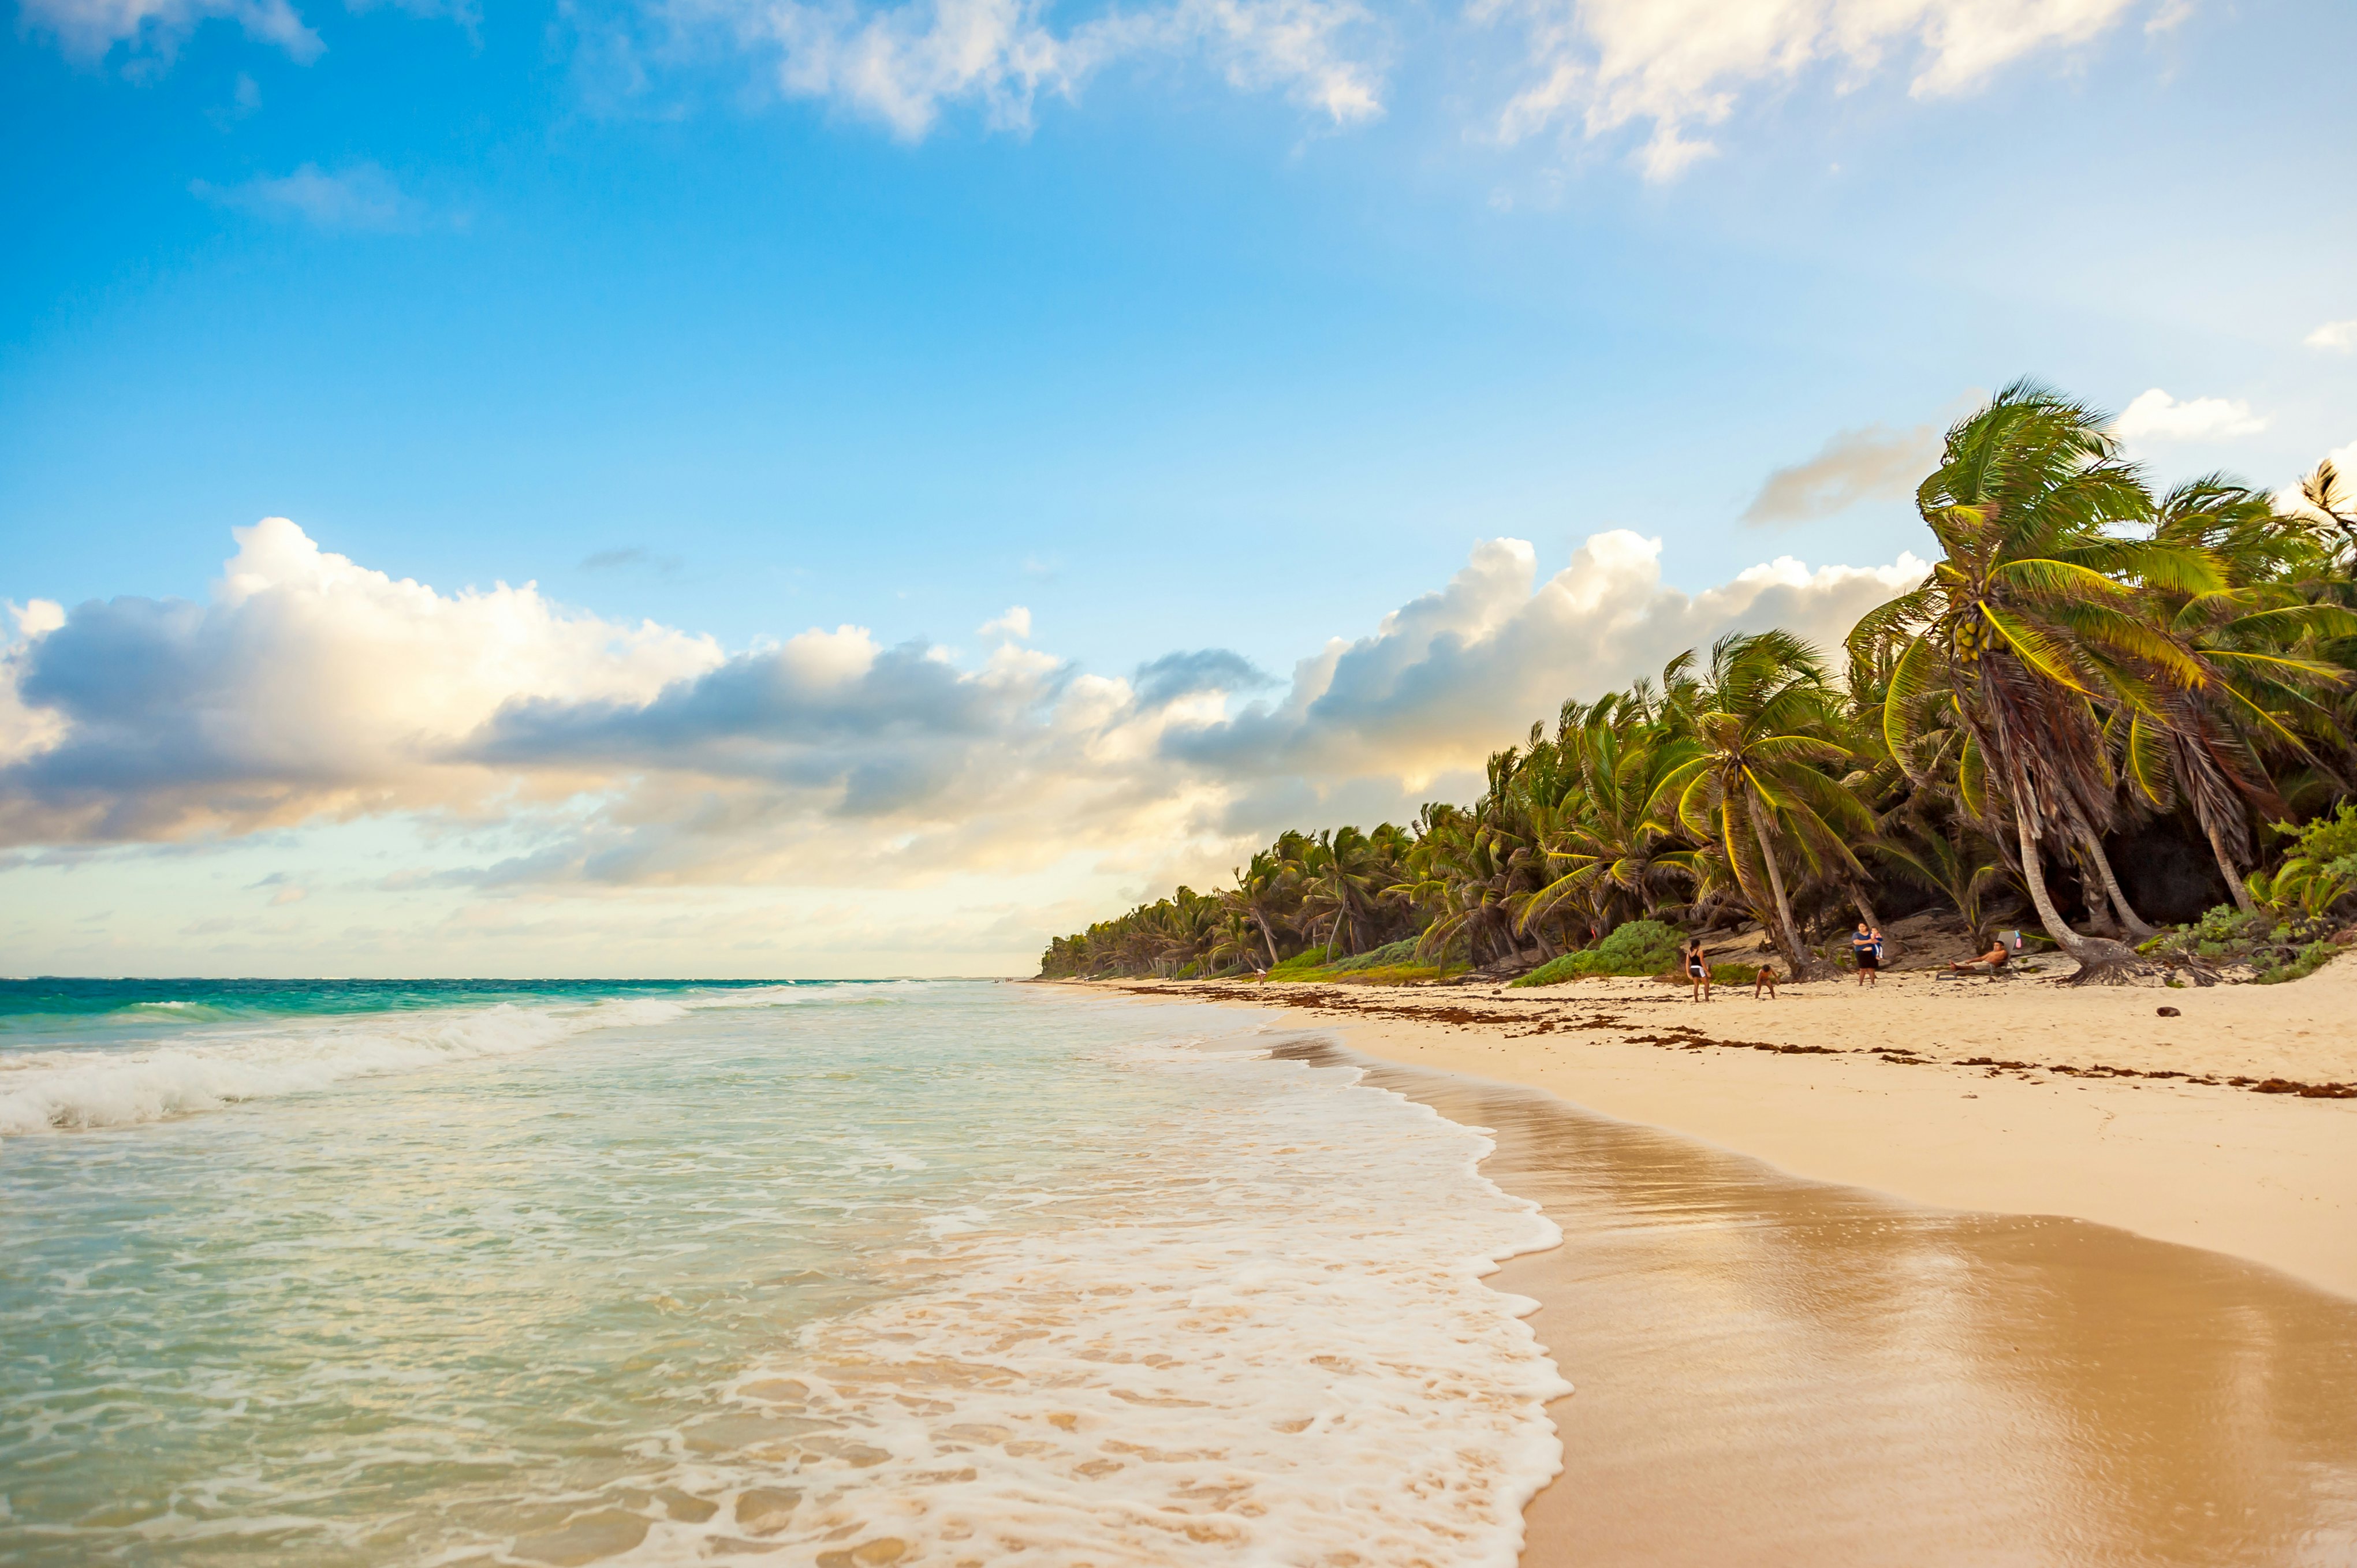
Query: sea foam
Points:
[1261, 1339]
[66, 1091]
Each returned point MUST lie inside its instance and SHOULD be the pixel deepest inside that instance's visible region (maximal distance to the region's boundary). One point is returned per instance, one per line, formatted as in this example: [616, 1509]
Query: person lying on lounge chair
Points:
[1993, 961]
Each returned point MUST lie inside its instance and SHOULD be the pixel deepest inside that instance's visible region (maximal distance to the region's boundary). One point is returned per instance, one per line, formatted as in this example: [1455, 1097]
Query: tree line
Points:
[2090, 663]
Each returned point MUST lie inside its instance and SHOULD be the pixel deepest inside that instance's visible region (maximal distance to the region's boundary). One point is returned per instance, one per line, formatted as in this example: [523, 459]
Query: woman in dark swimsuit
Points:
[1697, 972]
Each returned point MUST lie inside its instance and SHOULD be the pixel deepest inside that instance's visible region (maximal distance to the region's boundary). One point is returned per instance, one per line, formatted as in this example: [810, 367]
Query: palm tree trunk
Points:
[2234, 883]
[1266, 935]
[2137, 926]
[1795, 953]
[2100, 958]
[2101, 922]
[2033, 876]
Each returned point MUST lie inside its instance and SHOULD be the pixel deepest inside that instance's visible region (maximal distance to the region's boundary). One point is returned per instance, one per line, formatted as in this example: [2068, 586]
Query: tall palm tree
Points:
[1764, 721]
[2028, 623]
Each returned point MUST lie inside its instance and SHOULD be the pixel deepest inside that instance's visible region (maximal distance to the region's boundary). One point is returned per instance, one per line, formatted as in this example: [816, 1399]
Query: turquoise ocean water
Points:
[834, 1273]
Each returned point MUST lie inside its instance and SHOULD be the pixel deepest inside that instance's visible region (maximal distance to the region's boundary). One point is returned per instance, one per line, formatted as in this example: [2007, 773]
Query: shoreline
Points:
[1775, 1367]
[1772, 1370]
[2020, 1099]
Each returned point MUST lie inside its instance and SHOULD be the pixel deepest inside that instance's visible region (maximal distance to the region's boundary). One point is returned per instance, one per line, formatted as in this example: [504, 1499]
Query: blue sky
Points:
[1239, 327]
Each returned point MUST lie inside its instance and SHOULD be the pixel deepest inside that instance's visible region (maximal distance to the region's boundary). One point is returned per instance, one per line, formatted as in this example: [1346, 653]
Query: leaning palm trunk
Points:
[1267, 935]
[2136, 923]
[2227, 868]
[1788, 934]
[2101, 961]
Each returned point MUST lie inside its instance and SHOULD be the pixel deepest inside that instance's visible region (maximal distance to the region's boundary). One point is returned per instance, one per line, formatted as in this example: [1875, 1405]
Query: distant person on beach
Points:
[1865, 946]
[1992, 961]
[1697, 972]
[1764, 980]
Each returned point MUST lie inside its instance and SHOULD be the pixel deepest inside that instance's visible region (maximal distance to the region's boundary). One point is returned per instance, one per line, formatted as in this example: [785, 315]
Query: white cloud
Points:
[1457, 674]
[310, 686]
[362, 197]
[2292, 498]
[88, 29]
[2156, 416]
[1016, 623]
[904, 64]
[1679, 66]
[2337, 336]
[547, 752]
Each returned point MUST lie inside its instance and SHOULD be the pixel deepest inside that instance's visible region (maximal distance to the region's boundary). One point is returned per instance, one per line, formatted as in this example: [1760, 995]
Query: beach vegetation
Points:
[1639, 948]
[2094, 684]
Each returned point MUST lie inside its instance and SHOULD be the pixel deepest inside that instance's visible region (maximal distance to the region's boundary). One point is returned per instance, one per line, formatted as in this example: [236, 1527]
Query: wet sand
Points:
[1774, 1370]
[2223, 1127]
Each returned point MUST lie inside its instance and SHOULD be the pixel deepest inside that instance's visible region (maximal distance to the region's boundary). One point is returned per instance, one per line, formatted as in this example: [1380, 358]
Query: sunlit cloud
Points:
[2340, 336]
[1678, 67]
[904, 65]
[588, 759]
[2155, 415]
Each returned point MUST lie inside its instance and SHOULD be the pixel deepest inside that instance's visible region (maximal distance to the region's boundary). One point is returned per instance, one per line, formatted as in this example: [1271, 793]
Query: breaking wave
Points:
[71, 1090]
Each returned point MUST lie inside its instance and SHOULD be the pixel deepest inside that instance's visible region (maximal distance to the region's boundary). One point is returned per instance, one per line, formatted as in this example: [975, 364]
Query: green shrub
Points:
[2306, 962]
[1640, 947]
[2320, 869]
[2275, 949]
[1401, 952]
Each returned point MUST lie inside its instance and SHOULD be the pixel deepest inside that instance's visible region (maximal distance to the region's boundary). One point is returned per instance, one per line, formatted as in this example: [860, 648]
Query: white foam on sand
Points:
[1260, 1338]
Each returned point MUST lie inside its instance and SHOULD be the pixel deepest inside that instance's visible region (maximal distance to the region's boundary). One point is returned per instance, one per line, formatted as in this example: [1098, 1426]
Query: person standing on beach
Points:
[1865, 946]
[1697, 971]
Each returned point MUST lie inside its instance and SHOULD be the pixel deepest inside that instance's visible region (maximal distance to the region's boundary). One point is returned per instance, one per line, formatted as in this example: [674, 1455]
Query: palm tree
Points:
[1340, 874]
[2028, 623]
[1764, 722]
[2255, 637]
[1260, 890]
[1607, 850]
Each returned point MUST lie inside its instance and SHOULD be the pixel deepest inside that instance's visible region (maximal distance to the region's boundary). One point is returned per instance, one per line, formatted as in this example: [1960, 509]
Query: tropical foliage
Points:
[2088, 665]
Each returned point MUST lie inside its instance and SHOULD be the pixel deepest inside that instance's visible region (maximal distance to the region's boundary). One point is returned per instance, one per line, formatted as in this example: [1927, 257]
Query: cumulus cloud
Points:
[1680, 66]
[2156, 416]
[89, 29]
[2340, 337]
[362, 197]
[1872, 464]
[904, 64]
[310, 688]
[1015, 624]
[1456, 673]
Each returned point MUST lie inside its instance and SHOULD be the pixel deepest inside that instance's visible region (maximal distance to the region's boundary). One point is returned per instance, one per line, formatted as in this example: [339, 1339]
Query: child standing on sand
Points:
[1697, 972]
[1765, 981]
